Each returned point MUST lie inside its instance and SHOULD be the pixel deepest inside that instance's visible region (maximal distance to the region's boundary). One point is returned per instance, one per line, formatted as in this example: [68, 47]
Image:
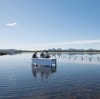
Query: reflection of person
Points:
[44, 71]
[42, 55]
[34, 70]
[47, 55]
[35, 55]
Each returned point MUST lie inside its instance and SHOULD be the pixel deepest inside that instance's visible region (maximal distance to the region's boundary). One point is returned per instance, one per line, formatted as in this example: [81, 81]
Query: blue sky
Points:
[43, 24]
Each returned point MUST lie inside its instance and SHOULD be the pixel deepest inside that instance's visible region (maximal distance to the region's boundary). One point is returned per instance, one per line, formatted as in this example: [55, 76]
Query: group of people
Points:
[42, 55]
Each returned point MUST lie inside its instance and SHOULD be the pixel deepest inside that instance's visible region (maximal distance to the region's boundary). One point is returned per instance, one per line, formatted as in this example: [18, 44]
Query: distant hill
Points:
[9, 51]
[73, 50]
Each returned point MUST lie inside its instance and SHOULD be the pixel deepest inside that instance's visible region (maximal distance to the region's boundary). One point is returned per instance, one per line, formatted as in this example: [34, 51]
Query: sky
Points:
[47, 24]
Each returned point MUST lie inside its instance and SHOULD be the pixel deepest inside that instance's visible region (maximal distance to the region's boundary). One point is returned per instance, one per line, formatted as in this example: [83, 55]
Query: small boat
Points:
[44, 61]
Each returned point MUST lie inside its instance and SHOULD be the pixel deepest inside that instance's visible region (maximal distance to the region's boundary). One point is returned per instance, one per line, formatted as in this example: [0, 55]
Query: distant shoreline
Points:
[98, 51]
[12, 52]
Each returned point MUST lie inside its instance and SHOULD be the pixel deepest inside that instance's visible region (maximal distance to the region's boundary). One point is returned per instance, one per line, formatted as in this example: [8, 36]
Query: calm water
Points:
[77, 76]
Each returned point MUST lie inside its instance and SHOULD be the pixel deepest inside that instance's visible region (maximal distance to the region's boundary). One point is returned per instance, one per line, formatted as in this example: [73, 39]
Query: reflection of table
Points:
[44, 61]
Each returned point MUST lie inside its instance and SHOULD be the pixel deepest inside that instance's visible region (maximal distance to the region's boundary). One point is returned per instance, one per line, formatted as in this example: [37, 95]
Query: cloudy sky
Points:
[43, 24]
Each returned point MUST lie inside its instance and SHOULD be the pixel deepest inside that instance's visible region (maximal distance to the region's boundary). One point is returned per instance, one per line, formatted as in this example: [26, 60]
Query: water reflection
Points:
[43, 70]
[77, 58]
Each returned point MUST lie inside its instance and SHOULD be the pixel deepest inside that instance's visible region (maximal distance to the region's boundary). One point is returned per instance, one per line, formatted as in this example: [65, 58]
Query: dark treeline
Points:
[13, 51]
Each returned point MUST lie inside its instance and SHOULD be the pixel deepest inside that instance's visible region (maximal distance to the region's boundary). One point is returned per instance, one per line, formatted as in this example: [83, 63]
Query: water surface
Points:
[75, 77]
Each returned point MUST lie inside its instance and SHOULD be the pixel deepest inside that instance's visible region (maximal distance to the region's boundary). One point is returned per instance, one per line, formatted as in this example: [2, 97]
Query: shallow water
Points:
[75, 77]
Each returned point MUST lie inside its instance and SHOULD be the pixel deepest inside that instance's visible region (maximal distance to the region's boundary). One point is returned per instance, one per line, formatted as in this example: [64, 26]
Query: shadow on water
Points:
[44, 71]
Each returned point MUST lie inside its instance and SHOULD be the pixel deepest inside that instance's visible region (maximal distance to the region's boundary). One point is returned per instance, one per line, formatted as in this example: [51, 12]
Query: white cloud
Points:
[11, 24]
[69, 43]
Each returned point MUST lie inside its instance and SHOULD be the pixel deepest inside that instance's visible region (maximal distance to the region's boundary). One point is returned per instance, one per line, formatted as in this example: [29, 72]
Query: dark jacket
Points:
[34, 55]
